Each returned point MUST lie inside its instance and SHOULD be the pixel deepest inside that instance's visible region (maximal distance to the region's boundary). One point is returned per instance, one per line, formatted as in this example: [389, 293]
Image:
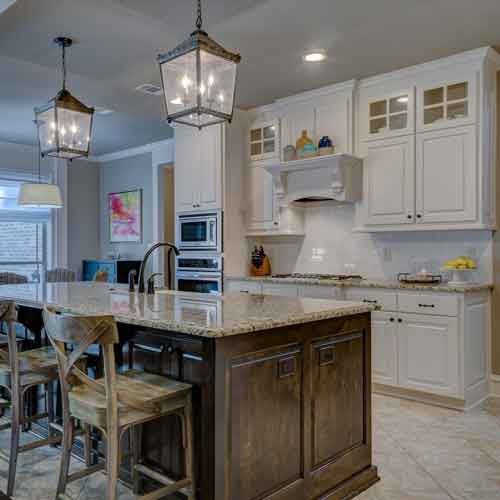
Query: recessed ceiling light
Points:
[317, 56]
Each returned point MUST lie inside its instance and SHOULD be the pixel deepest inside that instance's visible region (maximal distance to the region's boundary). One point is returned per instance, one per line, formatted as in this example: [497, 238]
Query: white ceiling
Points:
[117, 41]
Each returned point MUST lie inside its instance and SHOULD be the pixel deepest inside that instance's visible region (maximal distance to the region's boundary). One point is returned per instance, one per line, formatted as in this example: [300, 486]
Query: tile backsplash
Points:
[330, 244]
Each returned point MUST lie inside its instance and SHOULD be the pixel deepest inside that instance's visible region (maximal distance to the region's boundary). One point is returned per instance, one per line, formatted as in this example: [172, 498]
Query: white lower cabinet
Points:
[384, 348]
[279, 289]
[243, 286]
[428, 353]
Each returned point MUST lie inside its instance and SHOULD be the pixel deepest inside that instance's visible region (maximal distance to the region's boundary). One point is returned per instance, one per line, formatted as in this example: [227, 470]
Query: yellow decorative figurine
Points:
[305, 146]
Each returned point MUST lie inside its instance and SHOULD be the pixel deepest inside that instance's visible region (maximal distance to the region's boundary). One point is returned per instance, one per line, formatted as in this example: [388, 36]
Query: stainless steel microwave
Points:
[199, 231]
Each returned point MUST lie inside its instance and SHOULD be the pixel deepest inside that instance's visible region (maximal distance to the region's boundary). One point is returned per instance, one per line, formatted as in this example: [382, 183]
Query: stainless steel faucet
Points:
[144, 262]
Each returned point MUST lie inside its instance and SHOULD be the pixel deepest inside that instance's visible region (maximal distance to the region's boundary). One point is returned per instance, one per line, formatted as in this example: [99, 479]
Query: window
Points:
[22, 235]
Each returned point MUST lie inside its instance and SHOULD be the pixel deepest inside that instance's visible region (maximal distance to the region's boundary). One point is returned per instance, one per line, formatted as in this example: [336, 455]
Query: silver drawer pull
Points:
[148, 348]
[426, 305]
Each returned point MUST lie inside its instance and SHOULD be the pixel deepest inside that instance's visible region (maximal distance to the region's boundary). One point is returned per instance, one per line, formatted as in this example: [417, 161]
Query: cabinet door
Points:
[446, 103]
[428, 354]
[264, 142]
[210, 168]
[338, 405]
[384, 115]
[334, 119]
[294, 122]
[446, 185]
[384, 348]
[187, 159]
[389, 181]
[260, 199]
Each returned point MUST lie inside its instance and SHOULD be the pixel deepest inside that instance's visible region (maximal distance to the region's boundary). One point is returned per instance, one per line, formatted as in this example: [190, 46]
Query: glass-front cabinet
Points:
[446, 104]
[387, 115]
[263, 139]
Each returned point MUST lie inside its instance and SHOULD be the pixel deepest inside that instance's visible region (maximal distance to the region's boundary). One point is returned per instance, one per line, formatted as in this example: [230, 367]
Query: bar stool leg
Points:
[136, 455]
[112, 463]
[49, 388]
[67, 443]
[87, 444]
[187, 420]
[17, 407]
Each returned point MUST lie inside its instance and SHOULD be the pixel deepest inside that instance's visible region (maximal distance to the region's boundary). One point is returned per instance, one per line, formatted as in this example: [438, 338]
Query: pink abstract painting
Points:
[125, 224]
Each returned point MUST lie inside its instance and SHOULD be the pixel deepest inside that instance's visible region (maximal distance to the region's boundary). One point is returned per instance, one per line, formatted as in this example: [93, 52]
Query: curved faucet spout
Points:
[144, 262]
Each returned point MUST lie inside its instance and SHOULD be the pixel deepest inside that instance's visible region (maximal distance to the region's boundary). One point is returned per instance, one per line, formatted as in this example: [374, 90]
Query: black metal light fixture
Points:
[64, 123]
[199, 80]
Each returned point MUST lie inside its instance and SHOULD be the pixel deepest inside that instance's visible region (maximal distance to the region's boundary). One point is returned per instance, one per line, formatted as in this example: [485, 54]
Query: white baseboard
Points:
[495, 386]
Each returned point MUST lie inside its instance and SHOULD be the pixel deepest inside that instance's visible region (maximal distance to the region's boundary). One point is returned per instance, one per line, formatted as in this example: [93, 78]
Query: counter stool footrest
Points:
[166, 490]
[37, 444]
[34, 418]
[85, 472]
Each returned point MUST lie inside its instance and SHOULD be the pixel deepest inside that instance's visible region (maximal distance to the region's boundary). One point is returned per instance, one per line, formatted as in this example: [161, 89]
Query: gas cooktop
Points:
[336, 277]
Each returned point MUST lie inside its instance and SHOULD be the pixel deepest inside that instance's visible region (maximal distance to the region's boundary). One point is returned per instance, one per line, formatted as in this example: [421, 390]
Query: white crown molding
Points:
[475, 56]
[336, 88]
[127, 153]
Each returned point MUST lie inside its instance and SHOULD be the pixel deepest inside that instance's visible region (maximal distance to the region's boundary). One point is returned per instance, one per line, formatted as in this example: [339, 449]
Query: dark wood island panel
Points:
[280, 414]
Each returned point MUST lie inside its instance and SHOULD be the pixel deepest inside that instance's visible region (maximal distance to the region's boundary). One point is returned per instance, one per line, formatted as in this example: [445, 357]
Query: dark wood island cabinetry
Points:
[282, 388]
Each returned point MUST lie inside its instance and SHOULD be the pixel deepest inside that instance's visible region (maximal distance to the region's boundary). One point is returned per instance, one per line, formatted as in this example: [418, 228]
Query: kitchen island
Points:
[282, 385]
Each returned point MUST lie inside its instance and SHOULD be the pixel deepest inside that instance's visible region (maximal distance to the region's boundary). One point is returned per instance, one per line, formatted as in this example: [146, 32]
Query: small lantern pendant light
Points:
[199, 79]
[64, 123]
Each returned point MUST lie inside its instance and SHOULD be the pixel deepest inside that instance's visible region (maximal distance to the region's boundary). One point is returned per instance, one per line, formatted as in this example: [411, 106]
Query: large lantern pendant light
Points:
[199, 80]
[39, 194]
[64, 123]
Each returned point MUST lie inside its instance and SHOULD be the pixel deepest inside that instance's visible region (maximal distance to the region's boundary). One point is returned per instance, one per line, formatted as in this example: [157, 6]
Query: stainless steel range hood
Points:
[337, 178]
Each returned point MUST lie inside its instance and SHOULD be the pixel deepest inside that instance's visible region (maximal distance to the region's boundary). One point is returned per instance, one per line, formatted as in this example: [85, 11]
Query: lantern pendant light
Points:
[199, 80]
[64, 123]
[39, 194]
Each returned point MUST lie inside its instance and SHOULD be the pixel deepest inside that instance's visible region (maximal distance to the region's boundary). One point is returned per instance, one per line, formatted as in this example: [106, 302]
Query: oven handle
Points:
[202, 276]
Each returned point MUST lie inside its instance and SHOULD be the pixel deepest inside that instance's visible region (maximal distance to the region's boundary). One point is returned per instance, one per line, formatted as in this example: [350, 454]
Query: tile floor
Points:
[423, 453]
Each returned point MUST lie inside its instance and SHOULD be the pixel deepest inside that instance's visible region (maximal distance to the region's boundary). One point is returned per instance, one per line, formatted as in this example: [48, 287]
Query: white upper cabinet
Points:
[264, 140]
[198, 168]
[389, 181]
[446, 176]
[446, 103]
[261, 200]
[386, 114]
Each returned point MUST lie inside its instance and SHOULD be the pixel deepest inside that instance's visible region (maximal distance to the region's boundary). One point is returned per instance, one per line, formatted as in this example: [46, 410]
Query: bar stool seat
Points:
[36, 367]
[150, 395]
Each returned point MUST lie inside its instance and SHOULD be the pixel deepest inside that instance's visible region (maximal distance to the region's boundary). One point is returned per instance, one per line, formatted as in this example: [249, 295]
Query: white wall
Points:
[83, 206]
[330, 243]
[130, 173]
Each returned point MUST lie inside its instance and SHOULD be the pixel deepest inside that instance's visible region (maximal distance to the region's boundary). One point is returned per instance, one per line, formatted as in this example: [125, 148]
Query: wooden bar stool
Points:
[19, 371]
[114, 404]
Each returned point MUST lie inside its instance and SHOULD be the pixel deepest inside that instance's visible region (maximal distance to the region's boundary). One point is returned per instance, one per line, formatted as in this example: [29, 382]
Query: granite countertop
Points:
[366, 283]
[191, 313]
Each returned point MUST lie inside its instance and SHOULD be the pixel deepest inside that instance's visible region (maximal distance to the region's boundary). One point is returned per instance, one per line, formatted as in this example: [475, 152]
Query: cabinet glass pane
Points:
[433, 96]
[378, 108]
[457, 110]
[269, 132]
[433, 115]
[256, 148]
[398, 122]
[256, 134]
[269, 146]
[398, 104]
[378, 125]
[457, 91]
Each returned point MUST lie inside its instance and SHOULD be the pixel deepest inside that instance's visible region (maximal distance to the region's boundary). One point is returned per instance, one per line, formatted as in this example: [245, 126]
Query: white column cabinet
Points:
[198, 168]
[389, 181]
[446, 179]
[261, 201]
[428, 354]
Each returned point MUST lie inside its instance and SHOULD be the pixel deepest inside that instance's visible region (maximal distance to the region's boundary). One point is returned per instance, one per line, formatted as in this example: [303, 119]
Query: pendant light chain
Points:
[199, 20]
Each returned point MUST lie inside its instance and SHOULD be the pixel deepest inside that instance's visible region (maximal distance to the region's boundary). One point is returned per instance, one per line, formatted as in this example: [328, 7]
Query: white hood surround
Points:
[336, 177]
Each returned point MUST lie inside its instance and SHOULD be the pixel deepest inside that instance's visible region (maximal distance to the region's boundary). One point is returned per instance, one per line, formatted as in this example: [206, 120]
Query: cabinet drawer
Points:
[320, 292]
[244, 287]
[284, 290]
[426, 303]
[385, 299]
